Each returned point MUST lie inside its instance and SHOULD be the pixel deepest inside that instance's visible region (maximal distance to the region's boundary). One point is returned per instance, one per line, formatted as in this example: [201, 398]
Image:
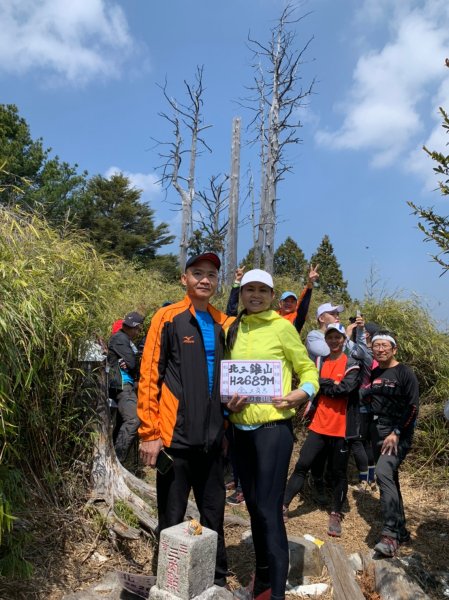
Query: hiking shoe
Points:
[387, 546]
[334, 528]
[235, 498]
[265, 595]
[285, 514]
[247, 593]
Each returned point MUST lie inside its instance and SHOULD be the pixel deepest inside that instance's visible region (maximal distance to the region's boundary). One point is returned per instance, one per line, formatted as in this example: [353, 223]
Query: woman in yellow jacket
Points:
[263, 432]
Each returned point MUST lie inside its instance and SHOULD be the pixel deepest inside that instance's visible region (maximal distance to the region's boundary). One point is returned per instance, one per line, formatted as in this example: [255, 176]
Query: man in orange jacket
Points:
[179, 403]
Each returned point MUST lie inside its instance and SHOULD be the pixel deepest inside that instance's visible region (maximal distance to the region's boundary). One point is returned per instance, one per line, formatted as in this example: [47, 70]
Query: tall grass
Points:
[57, 293]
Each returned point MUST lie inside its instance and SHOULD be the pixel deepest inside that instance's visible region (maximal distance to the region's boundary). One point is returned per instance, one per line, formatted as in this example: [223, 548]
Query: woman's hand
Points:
[236, 403]
[292, 400]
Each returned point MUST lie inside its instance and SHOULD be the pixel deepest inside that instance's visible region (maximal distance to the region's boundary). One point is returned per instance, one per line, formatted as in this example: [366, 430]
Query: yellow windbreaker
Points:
[268, 336]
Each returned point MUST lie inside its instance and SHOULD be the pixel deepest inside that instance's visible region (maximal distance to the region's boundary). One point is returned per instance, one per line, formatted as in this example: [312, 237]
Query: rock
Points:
[305, 558]
[109, 588]
[355, 560]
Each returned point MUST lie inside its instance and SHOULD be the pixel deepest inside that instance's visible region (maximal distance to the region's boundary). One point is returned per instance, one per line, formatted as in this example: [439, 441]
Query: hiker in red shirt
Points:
[335, 420]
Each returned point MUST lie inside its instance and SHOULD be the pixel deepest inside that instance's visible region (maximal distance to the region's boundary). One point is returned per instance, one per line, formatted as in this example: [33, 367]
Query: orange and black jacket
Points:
[174, 402]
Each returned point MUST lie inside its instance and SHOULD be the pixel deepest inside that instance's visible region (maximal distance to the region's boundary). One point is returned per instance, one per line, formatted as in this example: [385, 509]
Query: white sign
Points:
[259, 380]
[137, 584]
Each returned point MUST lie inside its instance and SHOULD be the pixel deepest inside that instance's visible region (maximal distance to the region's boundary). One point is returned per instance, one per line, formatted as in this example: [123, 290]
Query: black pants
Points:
[202, 472]
[387, 474]
[365, 432]
[127, 408]
[358, 450]
[313, 446]
[263, 457]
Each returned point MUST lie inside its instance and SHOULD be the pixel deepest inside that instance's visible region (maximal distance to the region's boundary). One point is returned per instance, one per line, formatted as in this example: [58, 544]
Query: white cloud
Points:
[147, 182]
[419, 161]
[70, 40]
[382, 113]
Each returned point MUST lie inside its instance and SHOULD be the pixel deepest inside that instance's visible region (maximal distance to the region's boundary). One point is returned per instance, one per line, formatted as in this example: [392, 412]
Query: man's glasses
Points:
[382, 347]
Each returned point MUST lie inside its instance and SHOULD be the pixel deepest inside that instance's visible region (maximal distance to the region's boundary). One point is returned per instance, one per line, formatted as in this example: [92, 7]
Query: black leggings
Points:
[314, 444]
[263, 457]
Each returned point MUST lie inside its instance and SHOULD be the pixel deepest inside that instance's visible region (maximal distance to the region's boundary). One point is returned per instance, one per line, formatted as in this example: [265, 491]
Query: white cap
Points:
[259, 276]
[328, 307]
[337, 326]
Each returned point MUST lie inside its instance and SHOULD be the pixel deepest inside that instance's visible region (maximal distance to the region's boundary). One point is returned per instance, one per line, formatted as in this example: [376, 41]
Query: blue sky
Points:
[84, 75]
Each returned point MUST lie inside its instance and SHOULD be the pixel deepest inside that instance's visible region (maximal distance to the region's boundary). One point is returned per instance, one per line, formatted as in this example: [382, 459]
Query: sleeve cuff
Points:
[308, 389]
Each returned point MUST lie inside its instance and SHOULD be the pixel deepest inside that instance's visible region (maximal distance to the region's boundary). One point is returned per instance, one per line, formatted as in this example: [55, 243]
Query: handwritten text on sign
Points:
[259, 380]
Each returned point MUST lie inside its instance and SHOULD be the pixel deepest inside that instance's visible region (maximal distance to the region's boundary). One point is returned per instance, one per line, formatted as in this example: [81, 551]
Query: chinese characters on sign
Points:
[259, 380]
[174, 555]
[137, 584]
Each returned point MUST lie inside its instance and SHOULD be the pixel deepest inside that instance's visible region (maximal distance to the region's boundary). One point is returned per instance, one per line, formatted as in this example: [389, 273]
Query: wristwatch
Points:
[396, 431]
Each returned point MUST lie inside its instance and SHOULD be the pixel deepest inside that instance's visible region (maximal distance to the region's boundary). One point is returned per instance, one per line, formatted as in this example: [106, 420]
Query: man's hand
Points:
[360, 321]
[390, 445]
[293, 399]
[149, 452]
[236, 403]
[239, 274]
[313, 275]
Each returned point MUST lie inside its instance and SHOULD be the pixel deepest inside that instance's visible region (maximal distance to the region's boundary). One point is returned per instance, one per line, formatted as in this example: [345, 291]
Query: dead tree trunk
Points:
[186, 117]
[110, 480]
[231, 252]
[278, 102]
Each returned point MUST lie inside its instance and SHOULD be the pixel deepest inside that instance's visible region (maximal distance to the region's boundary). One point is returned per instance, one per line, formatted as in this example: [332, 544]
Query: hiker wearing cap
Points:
[123, 372]
[315, 343]
[334, 421]
[263, 432]
[394, 401]
[295, 309]
[179, 403]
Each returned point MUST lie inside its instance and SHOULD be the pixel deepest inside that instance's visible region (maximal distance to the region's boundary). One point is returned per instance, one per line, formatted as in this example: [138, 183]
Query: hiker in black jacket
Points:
[393, 397]
[123, 364]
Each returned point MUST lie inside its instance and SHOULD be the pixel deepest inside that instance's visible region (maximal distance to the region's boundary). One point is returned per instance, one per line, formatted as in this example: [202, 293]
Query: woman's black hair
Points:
[233, 330]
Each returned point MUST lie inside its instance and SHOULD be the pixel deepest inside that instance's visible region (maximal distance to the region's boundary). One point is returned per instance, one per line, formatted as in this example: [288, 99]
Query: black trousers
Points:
[387, 474]
[314, 445]
[127, 408]
[365, 432]
[200, 471]
[263, 456]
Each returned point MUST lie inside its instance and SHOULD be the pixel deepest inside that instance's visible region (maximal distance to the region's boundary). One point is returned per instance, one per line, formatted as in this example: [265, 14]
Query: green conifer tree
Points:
[331, 281]
[289, 260]
[435, 226]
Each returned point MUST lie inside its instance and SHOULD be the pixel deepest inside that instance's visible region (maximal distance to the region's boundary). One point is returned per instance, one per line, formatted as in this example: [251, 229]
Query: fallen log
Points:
[391, 580]
[344, 584]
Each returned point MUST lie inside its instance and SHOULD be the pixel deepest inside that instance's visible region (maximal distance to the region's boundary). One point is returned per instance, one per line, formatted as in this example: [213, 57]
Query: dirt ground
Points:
[72, 554]
[427, 519]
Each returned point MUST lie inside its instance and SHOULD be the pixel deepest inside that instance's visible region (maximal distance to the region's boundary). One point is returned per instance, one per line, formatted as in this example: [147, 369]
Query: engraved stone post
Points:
[186, 565]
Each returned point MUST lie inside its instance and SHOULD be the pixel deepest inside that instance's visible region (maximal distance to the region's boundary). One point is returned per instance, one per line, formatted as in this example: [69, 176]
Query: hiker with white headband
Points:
[394, 400]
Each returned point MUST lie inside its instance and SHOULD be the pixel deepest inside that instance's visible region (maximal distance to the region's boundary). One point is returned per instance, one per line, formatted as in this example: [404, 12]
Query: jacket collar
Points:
[217, 315]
